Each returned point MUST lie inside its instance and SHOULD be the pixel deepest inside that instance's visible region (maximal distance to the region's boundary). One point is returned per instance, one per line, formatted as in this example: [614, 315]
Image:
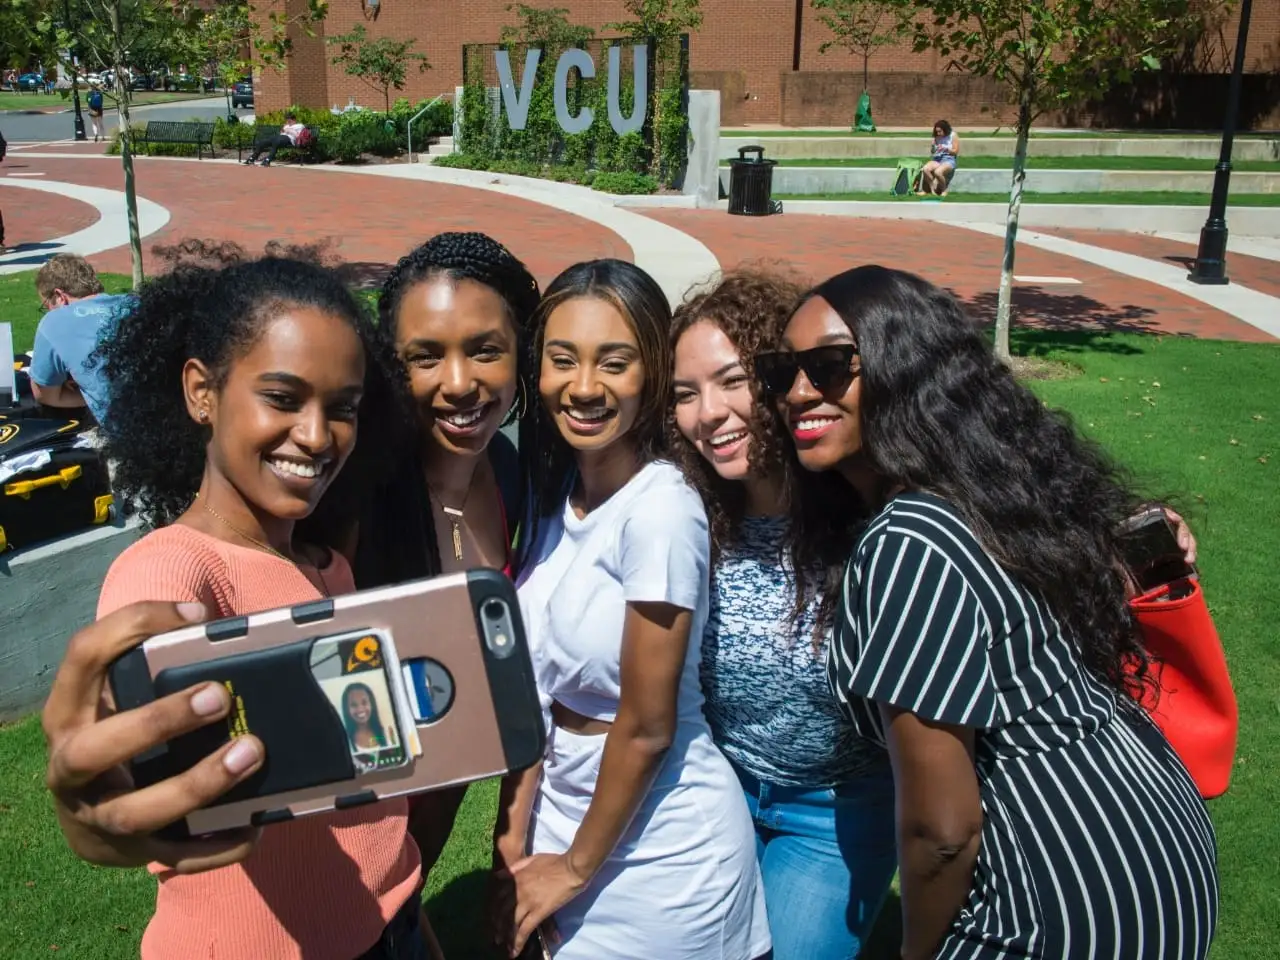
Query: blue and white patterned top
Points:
[770, 707]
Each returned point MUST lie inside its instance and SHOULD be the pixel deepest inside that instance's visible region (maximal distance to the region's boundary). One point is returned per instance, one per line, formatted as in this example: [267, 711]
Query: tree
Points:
[381, 62]
[862, 27]
[122, 34]
[547, 28]
[1047, 54]
[224, 36]
[659, 23]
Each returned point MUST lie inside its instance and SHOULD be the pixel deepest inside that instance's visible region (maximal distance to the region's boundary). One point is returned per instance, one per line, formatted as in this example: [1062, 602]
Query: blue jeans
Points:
[828, 857]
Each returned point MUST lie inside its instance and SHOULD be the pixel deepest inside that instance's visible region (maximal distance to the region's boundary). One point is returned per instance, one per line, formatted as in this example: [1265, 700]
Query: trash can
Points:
[751, 184]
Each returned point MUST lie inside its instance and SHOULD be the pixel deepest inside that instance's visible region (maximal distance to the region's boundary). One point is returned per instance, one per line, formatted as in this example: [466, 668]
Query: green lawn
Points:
[42, 101]
[1145, 164]
[1193, 419]
[1127, 197]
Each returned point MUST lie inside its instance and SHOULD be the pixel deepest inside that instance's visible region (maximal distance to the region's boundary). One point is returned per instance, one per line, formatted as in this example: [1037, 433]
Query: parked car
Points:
[242, 93]
[31, 81]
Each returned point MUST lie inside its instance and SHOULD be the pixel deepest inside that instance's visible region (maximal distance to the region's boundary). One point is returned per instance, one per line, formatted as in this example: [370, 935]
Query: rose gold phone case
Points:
[491, 726]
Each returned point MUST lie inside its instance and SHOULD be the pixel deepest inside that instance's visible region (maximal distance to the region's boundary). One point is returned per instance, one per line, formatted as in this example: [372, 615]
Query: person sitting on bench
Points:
[936, 176]
[288, 137]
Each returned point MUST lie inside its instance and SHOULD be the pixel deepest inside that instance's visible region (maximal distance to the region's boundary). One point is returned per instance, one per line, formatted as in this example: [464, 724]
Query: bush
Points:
[519, 168]
[436, 122]
[624, 182]
[232, 136]
[461, 161]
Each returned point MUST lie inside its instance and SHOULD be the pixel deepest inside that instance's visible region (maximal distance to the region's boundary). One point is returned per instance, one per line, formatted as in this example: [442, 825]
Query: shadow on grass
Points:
[457, 916]
[1066, 313]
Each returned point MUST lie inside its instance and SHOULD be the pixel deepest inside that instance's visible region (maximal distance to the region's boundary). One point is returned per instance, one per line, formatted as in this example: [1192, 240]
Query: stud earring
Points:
[203, 415]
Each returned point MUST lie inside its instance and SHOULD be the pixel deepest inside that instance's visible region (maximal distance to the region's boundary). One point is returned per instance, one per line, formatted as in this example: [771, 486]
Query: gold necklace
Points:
[259, 543]
[454, 516]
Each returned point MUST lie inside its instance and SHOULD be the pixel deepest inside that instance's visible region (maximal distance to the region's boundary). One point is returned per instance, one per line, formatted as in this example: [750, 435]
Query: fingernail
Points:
[208, 700]
[242, 755]
[192, 612]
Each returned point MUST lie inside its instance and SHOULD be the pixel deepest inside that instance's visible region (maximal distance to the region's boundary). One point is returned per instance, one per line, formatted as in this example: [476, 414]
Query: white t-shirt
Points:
[649, 542]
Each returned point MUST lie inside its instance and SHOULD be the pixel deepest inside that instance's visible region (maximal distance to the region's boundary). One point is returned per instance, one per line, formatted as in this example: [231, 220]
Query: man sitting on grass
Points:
[288, 137]
[79, 313]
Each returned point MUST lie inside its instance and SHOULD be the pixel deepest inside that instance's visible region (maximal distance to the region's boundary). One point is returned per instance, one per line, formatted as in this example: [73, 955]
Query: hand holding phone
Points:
[106, 820]
[1151, 550]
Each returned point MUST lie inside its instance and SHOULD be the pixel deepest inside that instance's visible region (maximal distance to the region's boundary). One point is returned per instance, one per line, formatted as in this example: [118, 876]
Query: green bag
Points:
[862, 122]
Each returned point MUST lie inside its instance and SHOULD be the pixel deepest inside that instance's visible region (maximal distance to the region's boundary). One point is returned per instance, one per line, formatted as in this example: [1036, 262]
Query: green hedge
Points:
[608, 181]
[657, 152]
[342, 137]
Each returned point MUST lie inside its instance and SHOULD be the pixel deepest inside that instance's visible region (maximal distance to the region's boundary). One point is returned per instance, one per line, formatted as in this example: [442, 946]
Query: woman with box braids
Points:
[456, 309]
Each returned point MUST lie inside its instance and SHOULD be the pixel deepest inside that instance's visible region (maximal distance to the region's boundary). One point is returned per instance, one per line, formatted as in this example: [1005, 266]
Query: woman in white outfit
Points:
[641, 839]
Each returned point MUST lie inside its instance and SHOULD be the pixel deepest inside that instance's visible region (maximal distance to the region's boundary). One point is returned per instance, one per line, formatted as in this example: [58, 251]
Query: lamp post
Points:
[1211, 256]
[75, 73]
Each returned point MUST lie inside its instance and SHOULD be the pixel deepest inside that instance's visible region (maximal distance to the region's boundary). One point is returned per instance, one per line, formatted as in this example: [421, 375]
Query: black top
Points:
[1095, 842]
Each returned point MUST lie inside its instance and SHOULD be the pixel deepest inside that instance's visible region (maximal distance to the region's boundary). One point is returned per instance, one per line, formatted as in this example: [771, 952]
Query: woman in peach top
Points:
[238, 396]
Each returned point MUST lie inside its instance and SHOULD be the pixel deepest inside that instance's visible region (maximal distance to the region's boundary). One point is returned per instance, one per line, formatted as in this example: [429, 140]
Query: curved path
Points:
[94, 214]
[368, 216]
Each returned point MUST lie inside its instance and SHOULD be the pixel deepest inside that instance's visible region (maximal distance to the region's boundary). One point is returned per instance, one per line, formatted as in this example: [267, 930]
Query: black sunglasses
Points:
[828, 368]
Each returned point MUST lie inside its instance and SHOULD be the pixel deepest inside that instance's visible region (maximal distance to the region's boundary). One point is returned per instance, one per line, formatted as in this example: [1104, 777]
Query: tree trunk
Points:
[119, 58]
[866, 71]
[1004, 308]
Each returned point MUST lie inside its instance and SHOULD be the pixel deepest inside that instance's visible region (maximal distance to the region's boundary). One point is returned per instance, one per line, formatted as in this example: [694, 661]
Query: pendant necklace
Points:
[454, 516]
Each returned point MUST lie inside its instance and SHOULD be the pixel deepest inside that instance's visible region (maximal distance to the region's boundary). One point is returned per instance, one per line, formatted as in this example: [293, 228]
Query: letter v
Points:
[517, 104]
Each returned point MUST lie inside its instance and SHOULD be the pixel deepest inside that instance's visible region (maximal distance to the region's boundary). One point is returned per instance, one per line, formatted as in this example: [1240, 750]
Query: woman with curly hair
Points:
[983, 637]
[821, 796]
[238, 395]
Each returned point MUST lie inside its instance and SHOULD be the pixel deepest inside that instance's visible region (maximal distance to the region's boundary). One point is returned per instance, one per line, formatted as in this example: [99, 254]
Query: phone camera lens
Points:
[495, 610]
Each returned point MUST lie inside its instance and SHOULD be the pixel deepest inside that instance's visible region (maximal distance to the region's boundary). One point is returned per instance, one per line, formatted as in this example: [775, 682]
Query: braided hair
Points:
[397, 537]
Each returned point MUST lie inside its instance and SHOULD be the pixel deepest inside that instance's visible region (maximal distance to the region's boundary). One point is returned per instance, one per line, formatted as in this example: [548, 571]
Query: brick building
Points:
[763, 55]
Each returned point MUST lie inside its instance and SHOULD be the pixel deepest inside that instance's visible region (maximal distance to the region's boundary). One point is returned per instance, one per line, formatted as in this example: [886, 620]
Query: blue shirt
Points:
[768, 702]
[65, 340]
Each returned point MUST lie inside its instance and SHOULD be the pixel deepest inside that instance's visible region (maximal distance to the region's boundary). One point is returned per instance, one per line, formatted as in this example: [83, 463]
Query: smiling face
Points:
[826, 424]
[284, 418]
[459, 345]
[359, 706]
[591, 379]
[714, 407]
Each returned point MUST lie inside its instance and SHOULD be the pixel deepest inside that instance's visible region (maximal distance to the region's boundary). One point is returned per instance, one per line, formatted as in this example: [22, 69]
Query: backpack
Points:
[305, 138]
[95, 100]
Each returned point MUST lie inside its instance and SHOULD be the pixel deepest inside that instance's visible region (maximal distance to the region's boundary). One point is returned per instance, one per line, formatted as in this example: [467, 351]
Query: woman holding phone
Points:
[239, 395]
[984, 639]
[641, 840]
[821, 795]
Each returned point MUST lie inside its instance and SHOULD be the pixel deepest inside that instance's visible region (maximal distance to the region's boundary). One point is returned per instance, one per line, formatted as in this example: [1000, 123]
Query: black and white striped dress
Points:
[1095, 842]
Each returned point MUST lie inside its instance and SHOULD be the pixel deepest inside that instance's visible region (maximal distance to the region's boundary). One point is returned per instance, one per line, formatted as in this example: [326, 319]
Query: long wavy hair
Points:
[943, 415]
[751, 306]
[546, 459]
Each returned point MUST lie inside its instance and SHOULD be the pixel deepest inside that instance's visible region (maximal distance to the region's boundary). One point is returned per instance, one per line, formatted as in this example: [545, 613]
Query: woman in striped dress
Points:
[985, 640]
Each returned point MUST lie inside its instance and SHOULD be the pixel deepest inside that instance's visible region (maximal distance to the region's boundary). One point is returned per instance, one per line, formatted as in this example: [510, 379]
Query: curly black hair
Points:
[546, 459]
[751, 305]
[397, 536]
[215, 315]
[941, 413]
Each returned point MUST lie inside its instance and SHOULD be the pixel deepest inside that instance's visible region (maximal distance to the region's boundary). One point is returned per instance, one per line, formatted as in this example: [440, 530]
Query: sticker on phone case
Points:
[430, 688]
[353, 670]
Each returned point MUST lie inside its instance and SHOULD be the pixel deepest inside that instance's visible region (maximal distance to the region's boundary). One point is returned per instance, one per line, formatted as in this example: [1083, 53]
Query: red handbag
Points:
[1196, 707]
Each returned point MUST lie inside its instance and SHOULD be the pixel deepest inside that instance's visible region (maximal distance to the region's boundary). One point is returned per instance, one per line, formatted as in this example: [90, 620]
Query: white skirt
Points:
[683, 882]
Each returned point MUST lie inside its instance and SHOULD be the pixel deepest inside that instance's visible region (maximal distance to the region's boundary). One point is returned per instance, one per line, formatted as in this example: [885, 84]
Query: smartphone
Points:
[1149, 545]
[376, 694]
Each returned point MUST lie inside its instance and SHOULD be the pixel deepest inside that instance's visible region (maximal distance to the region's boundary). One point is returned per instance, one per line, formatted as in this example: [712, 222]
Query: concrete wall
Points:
[804, 180]
[49, 593]
[701, 174]
[890, 148]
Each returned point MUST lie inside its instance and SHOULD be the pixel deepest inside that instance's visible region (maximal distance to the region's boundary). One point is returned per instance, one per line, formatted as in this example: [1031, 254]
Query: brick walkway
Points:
[31, 216]
[965, 262]
[370, 221]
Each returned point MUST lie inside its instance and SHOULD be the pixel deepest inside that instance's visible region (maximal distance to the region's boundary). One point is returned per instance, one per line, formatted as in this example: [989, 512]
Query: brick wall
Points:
[748, 50]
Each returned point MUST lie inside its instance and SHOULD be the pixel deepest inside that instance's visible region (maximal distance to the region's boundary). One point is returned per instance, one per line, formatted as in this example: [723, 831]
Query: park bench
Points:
[198, 135]
[264, 133]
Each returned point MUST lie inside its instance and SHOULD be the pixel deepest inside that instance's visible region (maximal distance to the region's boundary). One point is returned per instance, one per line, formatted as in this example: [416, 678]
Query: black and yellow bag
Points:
[51, 481]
